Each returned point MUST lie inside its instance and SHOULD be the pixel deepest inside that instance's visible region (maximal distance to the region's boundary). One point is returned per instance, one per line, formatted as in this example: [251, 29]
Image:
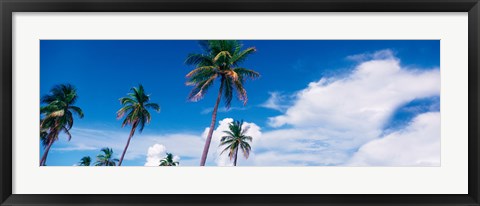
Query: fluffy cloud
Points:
[301, 146]
[416, 145]
[156, 153]
[363, 100]
[333, 117]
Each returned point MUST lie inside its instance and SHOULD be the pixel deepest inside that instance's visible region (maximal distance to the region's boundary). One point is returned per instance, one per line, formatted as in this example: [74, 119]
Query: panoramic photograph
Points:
[251, 103]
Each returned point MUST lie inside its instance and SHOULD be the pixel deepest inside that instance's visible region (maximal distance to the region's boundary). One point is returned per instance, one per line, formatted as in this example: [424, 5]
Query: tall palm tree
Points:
[85, 161]
[57, 115]
[135, 109]
[221, 60]
[106, 159]
[235, 139]
[168, 161]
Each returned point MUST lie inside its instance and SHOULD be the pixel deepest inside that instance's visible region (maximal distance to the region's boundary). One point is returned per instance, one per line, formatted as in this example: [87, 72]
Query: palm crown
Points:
[106, 159]
[85, 161]
[221, 59]
[168, 161]
[58, 113]
[135, 108]
[236, 138]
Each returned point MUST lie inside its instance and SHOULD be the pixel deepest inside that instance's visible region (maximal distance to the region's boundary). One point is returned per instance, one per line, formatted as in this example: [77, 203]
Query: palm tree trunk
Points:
[212, 126]
[132, 132]
[235, 160]
[45, 153]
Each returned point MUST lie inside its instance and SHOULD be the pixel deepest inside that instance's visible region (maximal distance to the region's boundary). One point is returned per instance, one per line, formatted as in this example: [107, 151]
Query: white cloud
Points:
[332, 117]
[176, 158]
[78, 147]
[381, 54]
[222, 109]
[416, 145]
[276, 101]
[155, 154]
[362, 101]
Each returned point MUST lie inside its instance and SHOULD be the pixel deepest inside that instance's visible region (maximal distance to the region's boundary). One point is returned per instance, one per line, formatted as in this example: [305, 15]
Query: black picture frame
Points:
[9, 6]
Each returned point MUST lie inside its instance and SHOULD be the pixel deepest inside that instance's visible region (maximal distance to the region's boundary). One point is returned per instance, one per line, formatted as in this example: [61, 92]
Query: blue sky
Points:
[105, 70]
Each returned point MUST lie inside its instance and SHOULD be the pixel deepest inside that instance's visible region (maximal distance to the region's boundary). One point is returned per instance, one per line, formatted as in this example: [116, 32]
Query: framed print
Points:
[248, 103]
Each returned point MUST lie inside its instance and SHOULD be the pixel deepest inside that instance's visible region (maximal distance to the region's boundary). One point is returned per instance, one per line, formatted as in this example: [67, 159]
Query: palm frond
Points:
[67, 132]
[58, 113]
[247, 138]
[201, 69]
[229, 133]
[121, 112]
[47, 109]
[153, 106]
[127, 100]
[201, 76]
[227, 92]
[231, 74]
[142, 121]
[77, 111]
[198, 59]
[222, 54]
[227, 148]
[200, 90]
[227, 140]
[244, 72]
[239, 57]
[241, 92]
[245, 149]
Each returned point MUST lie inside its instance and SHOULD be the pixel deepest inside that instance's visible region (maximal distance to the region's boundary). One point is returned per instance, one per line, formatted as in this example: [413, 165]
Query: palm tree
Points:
[135, 109]
[235, 139]
[57, 115]
[168, 161]
[221, 60]
[105, 159]
[85, 161]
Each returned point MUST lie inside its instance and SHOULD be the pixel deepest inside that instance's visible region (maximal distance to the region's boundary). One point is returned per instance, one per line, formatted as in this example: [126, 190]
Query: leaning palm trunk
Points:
[212, 127]
[43, 160]
[45, 153]
[132, 132]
